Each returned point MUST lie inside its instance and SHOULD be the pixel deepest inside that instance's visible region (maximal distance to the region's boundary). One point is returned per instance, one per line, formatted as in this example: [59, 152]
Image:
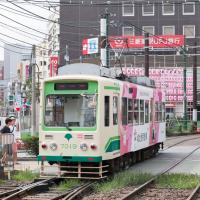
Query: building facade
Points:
[53, 39]
[2, 88]
[81, 19]
[42, 61]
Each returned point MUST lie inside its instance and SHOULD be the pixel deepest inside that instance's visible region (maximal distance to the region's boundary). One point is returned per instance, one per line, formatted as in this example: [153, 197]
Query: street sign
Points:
[159, 41]
[90, 46]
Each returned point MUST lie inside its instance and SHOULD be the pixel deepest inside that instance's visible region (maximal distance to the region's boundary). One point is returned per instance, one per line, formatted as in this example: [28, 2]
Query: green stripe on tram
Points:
[113, 144]
[111, 88]
[70, 158]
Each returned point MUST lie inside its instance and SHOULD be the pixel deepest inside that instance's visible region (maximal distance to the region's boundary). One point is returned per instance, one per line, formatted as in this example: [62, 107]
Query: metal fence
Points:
[177, 125]
[6, 148]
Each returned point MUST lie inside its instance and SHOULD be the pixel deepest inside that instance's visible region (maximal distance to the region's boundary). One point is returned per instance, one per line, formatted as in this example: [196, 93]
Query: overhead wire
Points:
[17, 12]
[23, 24]
[22, 30]
[50, 20]
[27, 36]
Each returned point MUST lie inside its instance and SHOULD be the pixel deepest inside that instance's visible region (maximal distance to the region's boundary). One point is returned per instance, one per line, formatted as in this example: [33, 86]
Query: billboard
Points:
[90, 46]
[159, 41]
[169, 79]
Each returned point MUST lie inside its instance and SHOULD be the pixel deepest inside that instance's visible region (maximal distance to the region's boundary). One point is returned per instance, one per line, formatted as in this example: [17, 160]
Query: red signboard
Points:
[53, 65]
[85, 47]
[168, 79]
[160, 41]
[90, 46]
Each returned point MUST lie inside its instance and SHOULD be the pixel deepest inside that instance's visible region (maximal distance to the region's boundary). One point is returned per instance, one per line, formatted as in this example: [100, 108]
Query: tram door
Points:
[111, 107]
[110, 128]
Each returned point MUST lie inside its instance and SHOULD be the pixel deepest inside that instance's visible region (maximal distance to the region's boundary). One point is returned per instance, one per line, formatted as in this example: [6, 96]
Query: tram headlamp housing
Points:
[93, 146]
[83, 147]
[44, 145]
[53, 146]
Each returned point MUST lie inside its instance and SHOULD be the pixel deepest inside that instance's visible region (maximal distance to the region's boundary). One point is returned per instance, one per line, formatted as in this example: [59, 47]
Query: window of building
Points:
[40, 63]
[44, 63]
[141, 111]
[167, 9]
[130, 111]
[148, 29]
[127, 9]
[107, 110]
[168, 30]
[189, 31]
[124, 111]
[189, 8]
[146, 111]
[136, 111]
[128, 30]
[148, 9]
[115, 110]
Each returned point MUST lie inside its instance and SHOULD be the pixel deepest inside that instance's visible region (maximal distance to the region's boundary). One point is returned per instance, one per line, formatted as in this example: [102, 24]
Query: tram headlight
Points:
[53, 146]
[44, 145]
[83, 147]
[93, 146]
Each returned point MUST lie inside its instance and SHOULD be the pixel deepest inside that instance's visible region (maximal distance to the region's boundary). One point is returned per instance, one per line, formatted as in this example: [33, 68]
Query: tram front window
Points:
[74, 110]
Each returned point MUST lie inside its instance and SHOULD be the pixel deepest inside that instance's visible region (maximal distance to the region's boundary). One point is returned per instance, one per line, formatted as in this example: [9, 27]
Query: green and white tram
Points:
[92, 123]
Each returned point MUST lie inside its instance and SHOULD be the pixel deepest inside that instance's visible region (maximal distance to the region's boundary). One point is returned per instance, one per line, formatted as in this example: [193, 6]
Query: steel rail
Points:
[18, 192]
[73, 195]
[74, 192]
[132, 194]
[194, 194]
[182, 141]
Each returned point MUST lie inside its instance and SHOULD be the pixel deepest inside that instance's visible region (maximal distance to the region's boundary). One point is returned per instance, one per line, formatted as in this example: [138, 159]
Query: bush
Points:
[31, 144]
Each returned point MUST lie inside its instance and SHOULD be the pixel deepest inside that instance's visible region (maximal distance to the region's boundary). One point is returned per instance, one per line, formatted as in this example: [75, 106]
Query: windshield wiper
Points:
[68, 128]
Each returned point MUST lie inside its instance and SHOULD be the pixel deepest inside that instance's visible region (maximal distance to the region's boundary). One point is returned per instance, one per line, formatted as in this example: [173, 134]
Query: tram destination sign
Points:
[71, 86]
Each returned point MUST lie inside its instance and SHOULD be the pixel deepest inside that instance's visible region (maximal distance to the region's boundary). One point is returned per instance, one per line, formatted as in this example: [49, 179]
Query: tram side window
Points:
[115, 110]
[158, 112]
[124, 111]
[136, 111]
[130, 111]
[141, 111]
[146, 111]
[163, 112]
[107, 110]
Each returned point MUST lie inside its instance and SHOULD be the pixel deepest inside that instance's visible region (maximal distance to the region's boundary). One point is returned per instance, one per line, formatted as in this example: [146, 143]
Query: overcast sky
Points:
[7, 9]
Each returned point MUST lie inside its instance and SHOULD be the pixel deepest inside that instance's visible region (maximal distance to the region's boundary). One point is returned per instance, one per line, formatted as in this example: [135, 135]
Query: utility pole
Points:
[33, 115]
[67, 55]
[194, 116]
[104, 40]
[146, 54]
[185, 88]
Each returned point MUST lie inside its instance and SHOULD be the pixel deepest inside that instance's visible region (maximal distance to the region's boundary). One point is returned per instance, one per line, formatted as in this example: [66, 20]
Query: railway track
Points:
[139, 192]
[180, 142]
[195, 195]
[43, 190]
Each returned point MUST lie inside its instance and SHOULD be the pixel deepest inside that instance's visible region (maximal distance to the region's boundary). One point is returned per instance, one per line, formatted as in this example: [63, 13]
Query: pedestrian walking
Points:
[6, 130]
[13, 129]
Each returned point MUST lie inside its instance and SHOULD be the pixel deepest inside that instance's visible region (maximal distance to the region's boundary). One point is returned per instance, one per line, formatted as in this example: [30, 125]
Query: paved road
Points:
[167, 157]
